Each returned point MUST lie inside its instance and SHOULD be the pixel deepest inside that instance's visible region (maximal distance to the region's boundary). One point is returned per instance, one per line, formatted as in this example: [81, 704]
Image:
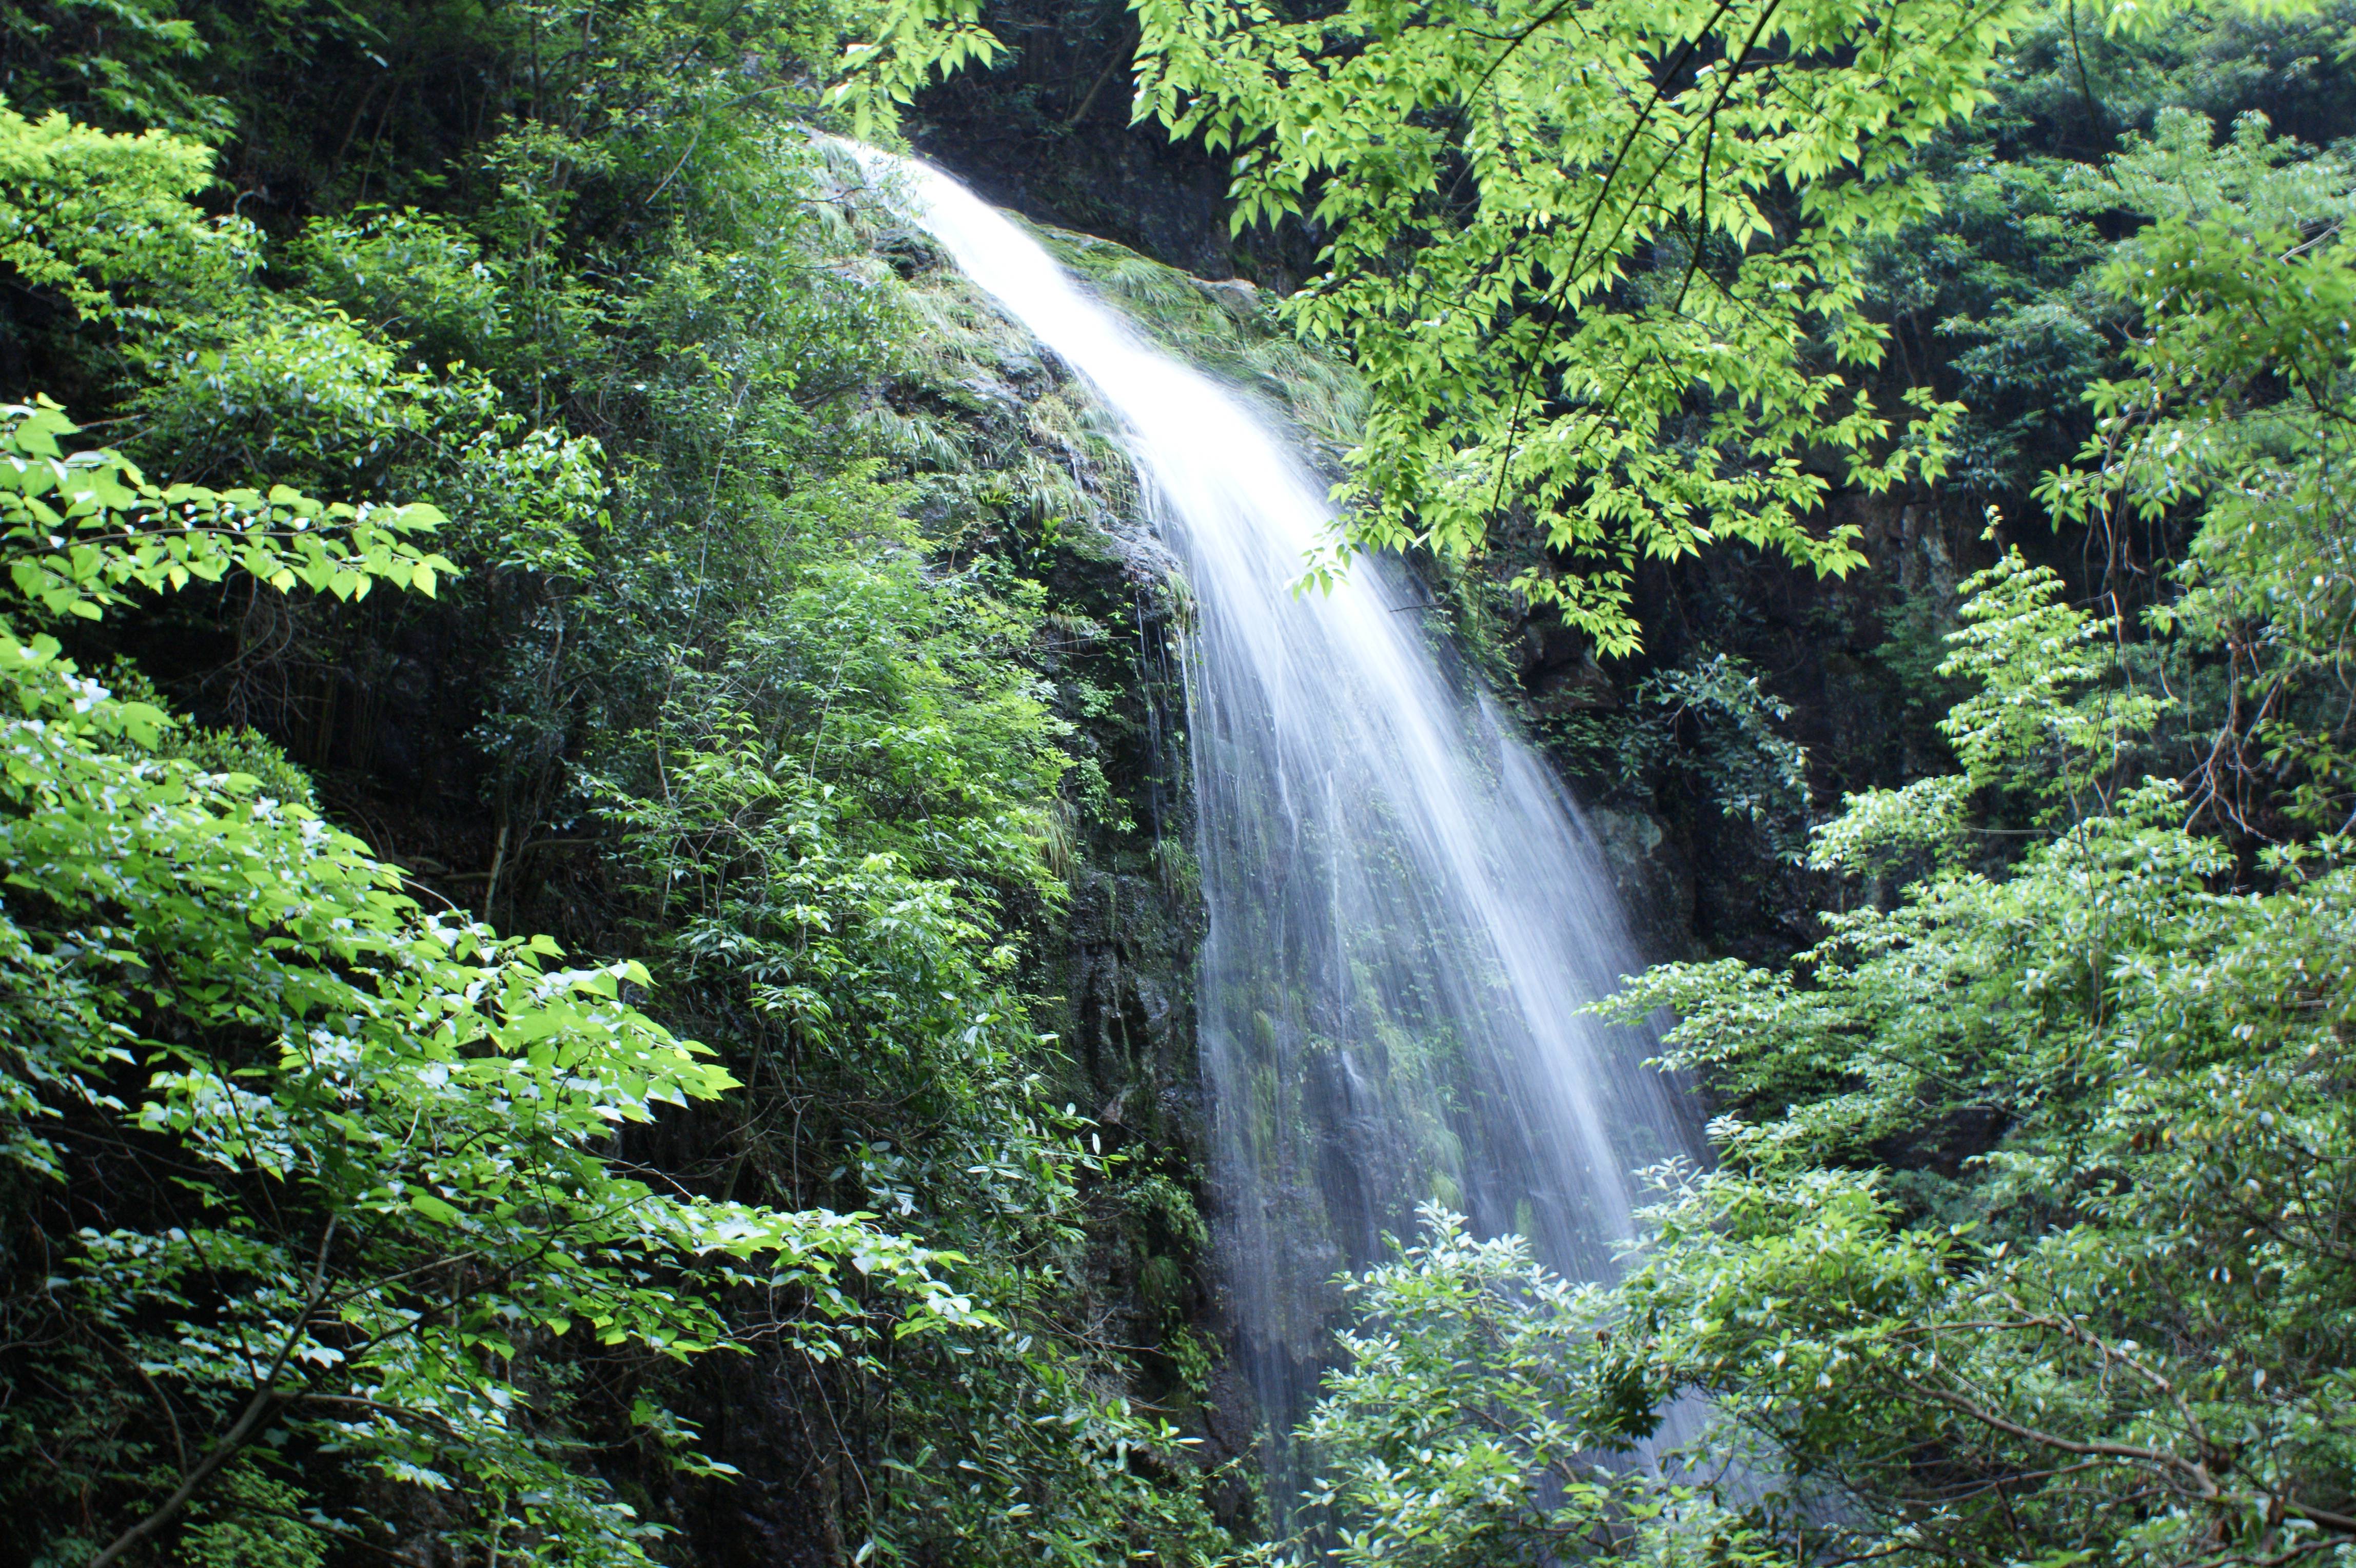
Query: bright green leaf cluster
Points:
[80, 528]
[1598, 262]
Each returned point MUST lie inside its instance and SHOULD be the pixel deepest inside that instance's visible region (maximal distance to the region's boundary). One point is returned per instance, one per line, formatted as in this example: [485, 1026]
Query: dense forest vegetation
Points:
[593, 878]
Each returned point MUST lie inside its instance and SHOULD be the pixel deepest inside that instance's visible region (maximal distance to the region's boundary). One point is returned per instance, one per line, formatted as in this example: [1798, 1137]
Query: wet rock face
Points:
[1558, 670]
[1130, 960]
[1112, 963]
[1654, 884]
[1106, 177]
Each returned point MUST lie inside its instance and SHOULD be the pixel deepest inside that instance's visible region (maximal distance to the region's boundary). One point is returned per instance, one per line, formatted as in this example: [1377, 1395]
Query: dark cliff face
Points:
[1099, 176]
[1046, 131]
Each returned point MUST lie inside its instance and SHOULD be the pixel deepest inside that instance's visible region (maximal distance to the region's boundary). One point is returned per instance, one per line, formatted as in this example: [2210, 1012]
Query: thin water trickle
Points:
[1407, 913]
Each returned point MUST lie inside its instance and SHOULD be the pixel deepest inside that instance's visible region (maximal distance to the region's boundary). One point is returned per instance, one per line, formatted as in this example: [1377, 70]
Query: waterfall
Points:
[1405, 911]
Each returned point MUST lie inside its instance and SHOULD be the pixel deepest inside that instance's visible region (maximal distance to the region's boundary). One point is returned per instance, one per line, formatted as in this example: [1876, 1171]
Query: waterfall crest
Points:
[1405, 911]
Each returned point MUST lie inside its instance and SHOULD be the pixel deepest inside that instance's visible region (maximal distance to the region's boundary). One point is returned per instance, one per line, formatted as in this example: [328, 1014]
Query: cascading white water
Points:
[1406, 912]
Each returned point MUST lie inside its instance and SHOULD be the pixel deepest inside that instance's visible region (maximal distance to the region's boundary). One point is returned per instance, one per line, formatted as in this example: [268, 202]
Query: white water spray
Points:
[1405, 911]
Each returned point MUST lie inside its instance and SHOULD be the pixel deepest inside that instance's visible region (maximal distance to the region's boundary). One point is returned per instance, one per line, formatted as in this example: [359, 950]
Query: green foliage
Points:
[2234, 408]
[85, 526]
[827, 833]
[827, 876]
[2026, 1237]
[1477, 1415]
[415, 276]
[2047, 708]
[115, 62]
[383, 1128]
[2121, 1332]
[1556, 232]
[85, 212]
[256, 1523]
[754, 650]
[2124, 1326]
[2116, 1327]
[368, 1222]
[1600, 265]
[909, 44]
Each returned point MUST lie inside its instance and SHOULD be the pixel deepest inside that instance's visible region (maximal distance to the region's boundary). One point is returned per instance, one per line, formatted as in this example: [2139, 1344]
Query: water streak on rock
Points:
[1406, 912]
